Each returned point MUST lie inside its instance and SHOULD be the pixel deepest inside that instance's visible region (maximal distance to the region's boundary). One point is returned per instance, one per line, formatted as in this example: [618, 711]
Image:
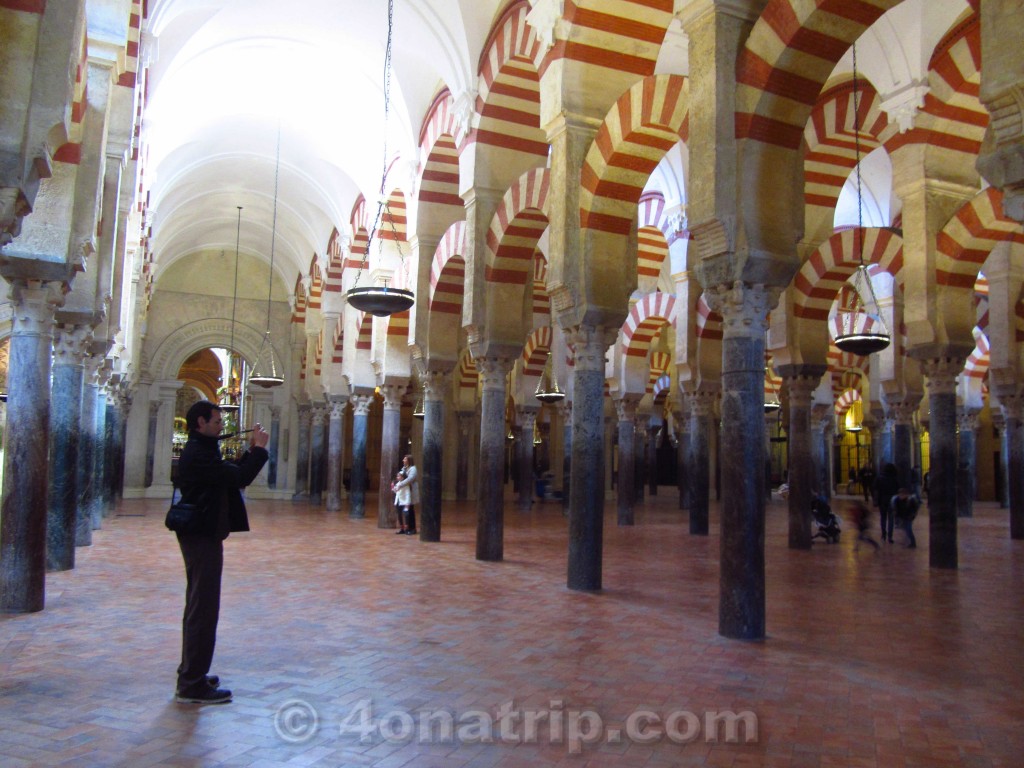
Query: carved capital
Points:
[337, 409]
[625, 408]
[305, 415]
[34, 303]
[700, 403]
[526, 417]
[319, 415]
[590, 344]
[435, 385]
[941, 373]
[966, 419]
[361, 404]
[493, 372]
[744, 308]
[801, 389]
[69, 344]
[275, 413]
[393, 394]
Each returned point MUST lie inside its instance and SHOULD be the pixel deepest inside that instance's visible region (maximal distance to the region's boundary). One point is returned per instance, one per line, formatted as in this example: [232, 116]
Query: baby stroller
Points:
[825, 520]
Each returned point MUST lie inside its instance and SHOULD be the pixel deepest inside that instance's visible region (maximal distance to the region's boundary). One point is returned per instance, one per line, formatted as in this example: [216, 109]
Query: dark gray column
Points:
[335, 457]
[154, 413]
[87, 449]
[110, 462]
[302, 460]
[26, 469]
[1004, 457]
[625, 486]
[357, 478]
[99, 452]
[587, 483]
[490, 501]
[967, 461]
[653, 432]
[744, 310]
[682, 416]
[641, 425]
[1012, 406]
[698, 467]
[886, 429]
[801, 381]
[65, 423]
[122, 407]
[274, 447]
[903, 441]
[565, 416]
[940, 374]
[821, 419]
[435, 387]
[390, 449]
[317, 446]
[527, 419]
[465, 420]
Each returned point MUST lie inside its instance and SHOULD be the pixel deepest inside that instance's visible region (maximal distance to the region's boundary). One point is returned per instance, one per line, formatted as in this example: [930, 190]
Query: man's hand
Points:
[260, 437]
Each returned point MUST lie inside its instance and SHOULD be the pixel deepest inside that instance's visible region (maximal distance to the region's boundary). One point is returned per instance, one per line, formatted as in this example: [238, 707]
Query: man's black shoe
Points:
[209, 696]
[213, 680]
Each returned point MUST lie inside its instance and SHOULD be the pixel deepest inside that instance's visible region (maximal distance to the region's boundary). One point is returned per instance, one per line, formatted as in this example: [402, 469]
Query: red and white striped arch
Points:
[966, 241]
[71, 151]
[827, 270]
[977, 363]
[661, 388]
[709, 322]
[652, 245]
[467, 372]
[659, 362]
[393, 220]
[541, 299]
[128, 77]
[439, 180]
[509, 86]
[846, 398]
[337, 340]
[517, 225]
[981, 301]
[364, 326]
[535, 351]
[360, 223]
[646, 122]
[831, 140]
[448, 271]
[622, 35]
[319, 356]
[316, 285]
[335, 263]
[789, 55]
[952, 118]
[299, 313]
[645, 320]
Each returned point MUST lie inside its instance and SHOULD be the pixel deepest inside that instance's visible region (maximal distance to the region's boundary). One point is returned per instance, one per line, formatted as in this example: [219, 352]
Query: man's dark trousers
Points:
[204, 562]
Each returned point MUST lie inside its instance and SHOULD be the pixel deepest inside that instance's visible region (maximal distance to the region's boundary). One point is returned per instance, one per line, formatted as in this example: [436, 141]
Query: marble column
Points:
[641, 427]
[167, 393]
[625, 409]
[999, 424]
[653, 432]
[1012, 407]
[465, 420]
[27, 436]
[490, 499]
[698, 468]
[526, 419]
[274, 446]
[903, 443]
[87, 445]
[587, 483]
[886, 428]
[390, 452]
[801, 382]
[821, 419]
[682, 416]
[565, 415]
[99, 453]
[65, 421]
[110, 457]
[302, 460]
[435, 386]
[151, 428]
[318, 423]
[335, 458]
[744, 310]
[357, 479]
[967, 461]
[940, 375]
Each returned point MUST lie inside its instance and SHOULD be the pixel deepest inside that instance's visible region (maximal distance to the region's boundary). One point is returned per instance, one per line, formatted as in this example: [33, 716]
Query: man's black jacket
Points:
[214, 485]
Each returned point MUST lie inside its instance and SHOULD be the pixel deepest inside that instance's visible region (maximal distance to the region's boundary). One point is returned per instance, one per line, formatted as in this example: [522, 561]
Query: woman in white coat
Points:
[407, 491]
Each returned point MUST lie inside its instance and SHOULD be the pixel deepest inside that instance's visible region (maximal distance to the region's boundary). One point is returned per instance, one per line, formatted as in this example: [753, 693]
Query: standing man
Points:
[214, 486]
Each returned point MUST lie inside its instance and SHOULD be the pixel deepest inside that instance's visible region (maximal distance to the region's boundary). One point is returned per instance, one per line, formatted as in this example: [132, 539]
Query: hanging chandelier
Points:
[382, 300]
[418, 411]
[771, 403]
[547, 388]
[229, 399]
[862, 328]
[265, 373]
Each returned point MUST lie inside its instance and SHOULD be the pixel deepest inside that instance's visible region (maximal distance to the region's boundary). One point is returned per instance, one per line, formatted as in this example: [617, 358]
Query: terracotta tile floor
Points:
[871, 660]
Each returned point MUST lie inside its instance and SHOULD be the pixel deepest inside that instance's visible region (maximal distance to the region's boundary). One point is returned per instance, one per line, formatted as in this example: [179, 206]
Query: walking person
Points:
[859, 515]
[904, 509]
[886, 486]
[214, 486]
[410, 484]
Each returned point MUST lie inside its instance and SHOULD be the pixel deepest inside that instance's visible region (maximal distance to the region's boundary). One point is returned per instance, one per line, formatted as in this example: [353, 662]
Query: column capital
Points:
[361, 404]
[34, 304]
[700, 403]
[393, 394]
[319, 415]
[493, 371]
[801, 387]
[590, 344]
[744, 307]
[526, 416]
[69, 344]
[625, 407]
[435, 385]
[336, 405]
[305, 415]
[275, 412]
[966, 419]
[902, 411]
[564, 408]
[941, 373]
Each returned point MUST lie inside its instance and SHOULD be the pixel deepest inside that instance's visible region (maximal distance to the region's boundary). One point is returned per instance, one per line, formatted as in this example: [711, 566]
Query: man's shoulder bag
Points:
[183, 517]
